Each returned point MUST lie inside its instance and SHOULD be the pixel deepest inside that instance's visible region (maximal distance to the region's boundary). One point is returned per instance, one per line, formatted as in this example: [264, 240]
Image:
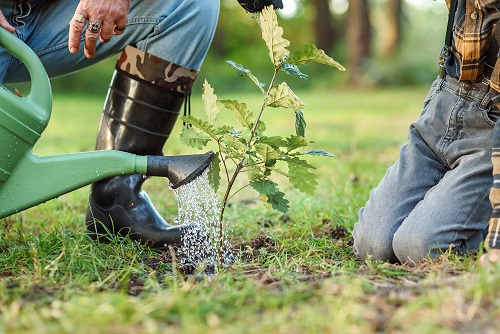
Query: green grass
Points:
[297, 273]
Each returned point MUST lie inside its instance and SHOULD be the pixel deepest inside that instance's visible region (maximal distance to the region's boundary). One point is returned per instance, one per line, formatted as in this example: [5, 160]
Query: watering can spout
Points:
[180, 170]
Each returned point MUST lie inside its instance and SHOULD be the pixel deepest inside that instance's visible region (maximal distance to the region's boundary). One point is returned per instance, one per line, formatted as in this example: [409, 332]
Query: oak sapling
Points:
[250, 148]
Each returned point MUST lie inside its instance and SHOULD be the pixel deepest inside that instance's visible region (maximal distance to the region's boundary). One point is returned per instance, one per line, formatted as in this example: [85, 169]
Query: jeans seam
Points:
[484, 105]
[445, 139]
[142, 20]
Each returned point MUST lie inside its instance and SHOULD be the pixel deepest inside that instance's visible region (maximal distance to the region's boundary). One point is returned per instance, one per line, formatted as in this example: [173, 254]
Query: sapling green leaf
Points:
[272, 34]
[277, 201]
[311, 53]
[301, 178]
[274, 141]
[192, 138]
[268, 154]
[255, 175]
[283, 96]
[265, 186]
[319, 153]
[293, 70]
[270, 193]
[235, 133]
[297, 161]
[295, 142]
[214, 173]
[261, 127]
[279, 171]
[199, 124]
[210, 102]
[300, 123]
[233, 143]
[239, 111]
[241, 71]
[221, 130]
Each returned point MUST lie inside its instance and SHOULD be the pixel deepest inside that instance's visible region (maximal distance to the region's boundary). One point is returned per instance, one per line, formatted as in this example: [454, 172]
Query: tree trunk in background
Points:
[391, 34]
[358, 39]
[323, 25]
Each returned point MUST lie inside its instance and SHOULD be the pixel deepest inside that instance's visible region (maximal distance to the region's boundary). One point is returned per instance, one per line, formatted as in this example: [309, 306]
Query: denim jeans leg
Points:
[455, 213]
[435, 197]
[452, 216]
[178, 31]
[404, 185]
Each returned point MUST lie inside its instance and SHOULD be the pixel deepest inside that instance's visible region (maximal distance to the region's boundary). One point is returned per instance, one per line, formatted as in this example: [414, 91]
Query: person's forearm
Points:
[492, 241]
[493, 237]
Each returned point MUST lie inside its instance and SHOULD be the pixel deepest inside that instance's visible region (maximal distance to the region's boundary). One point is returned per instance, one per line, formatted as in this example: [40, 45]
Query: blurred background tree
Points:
[380, 42]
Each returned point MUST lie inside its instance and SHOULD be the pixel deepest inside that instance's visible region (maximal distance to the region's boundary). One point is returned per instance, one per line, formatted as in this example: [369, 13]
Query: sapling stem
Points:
[241, 165]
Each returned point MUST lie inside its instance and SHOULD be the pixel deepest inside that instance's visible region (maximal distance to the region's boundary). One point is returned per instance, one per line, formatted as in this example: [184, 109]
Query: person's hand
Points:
[106, 18]
[5, 24]
[493, 255]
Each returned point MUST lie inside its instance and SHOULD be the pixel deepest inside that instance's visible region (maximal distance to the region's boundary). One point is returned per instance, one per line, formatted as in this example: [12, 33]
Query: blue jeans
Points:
[179, 31]
[435, 197]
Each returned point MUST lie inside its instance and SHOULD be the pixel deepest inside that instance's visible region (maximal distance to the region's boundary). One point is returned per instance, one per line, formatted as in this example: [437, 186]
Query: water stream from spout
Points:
[198, 205]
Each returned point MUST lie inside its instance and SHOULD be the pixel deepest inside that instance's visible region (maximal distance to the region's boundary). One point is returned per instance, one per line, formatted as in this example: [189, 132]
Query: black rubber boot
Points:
[138, 117]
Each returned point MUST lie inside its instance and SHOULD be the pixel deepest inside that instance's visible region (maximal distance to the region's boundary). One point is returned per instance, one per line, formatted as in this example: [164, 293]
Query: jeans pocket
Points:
[491, 115]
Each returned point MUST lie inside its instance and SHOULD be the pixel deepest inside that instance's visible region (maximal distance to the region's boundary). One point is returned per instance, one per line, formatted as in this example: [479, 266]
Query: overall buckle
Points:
[442, 72]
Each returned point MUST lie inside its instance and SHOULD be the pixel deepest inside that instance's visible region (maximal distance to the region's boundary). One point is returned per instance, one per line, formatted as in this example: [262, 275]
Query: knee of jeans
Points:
[410, 246]
[371, 245]
[204, 14]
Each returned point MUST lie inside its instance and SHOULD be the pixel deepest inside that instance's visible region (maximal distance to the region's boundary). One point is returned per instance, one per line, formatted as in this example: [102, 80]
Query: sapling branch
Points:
[237, 191]
[223, 160]
[264, 104]
[241, 163]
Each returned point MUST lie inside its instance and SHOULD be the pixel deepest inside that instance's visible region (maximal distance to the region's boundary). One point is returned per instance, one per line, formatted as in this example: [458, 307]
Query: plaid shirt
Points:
[473, 35]
[475, 58]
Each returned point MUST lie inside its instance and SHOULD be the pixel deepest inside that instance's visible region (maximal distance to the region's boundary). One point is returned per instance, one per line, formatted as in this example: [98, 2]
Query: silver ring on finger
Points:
[79, 17]
[94, 27]
[120, 29]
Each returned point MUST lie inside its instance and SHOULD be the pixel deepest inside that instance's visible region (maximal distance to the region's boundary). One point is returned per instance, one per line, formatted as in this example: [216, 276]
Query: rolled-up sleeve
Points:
[493, 237]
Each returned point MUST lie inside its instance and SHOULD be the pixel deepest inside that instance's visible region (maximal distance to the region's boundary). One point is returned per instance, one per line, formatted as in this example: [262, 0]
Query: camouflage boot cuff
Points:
[157, 71]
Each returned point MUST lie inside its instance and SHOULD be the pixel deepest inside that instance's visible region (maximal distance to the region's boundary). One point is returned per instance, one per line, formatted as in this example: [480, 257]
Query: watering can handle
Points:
[41, 92]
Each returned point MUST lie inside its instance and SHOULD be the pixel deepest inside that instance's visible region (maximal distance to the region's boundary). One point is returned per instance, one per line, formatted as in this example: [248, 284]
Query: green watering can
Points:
[27, 180]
